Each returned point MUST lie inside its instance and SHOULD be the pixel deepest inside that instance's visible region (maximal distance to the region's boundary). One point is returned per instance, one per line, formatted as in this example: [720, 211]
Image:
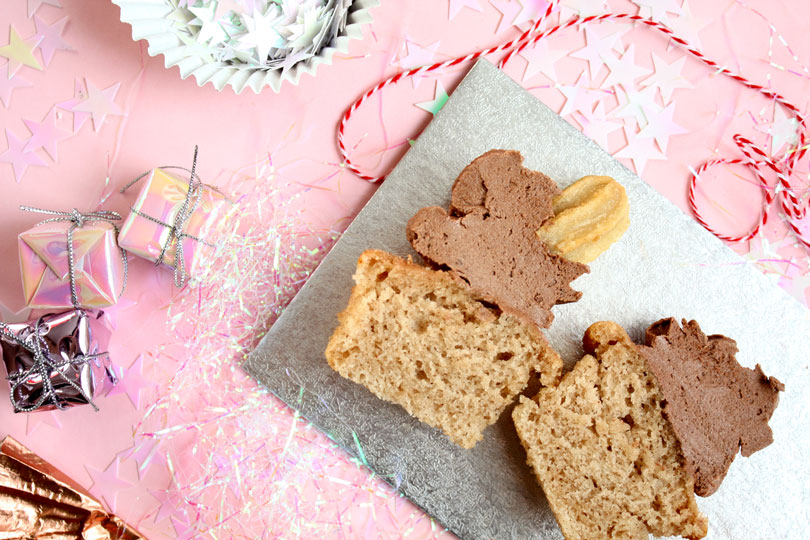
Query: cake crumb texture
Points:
[422, 339]
[598, 443]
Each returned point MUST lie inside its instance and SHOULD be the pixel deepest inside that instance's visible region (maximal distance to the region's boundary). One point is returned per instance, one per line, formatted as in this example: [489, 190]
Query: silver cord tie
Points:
[45, 367]
[176, 228]
[77, 220]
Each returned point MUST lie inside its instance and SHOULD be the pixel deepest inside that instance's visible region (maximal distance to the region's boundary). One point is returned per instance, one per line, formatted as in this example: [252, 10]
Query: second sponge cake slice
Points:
[421, 339]
[609, 462]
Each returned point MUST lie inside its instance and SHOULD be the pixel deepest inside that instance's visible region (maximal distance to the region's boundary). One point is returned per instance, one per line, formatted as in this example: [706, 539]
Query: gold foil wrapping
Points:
[37, 501]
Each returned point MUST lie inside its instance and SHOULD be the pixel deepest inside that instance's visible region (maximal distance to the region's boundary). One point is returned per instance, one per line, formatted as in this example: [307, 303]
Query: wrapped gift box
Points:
[161, 198]
[74, 344]
[98, 264]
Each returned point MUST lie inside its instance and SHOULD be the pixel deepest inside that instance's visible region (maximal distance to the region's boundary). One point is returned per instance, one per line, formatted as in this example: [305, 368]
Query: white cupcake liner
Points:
[149, 21]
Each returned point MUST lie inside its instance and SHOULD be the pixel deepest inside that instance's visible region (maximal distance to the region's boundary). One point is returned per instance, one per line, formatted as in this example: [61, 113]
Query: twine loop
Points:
[754, 157]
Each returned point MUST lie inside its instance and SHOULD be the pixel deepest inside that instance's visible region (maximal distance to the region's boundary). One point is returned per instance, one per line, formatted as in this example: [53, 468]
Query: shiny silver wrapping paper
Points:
[67, 336]
[665, 265]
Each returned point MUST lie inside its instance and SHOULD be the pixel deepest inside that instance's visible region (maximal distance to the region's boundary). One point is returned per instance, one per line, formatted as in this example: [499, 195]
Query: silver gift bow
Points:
[190, 204]
[77, 220]
[44, 366]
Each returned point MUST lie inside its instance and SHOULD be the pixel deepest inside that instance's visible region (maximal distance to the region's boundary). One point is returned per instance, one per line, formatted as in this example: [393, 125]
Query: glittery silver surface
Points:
[665, 265]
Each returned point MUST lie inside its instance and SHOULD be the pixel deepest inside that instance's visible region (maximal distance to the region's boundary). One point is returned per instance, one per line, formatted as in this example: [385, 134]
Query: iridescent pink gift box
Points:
[98, 264]
[161, 198]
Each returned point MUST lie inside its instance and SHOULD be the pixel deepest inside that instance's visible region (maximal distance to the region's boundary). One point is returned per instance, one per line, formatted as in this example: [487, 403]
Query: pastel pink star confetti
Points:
[457, 5]
[518, 12]
[598, 42]
[687, 26]
[100, 103]
[541, 59]
[583, 8]
[45, 134]
[579, 97]
[79, 95]
[624, 70]
[638, 105]
[657, 9]
[661, 126]
[51, 38]
[146, 453]
[33, 5]
[509, 11]
[133, 383]
[42, 418]
[639, 151]
[8, 84]
[18, 157]
[598, 127]
[784, 130]
[183, 529]
[667, 77]
[417, 56]
[169, 502]
[108, 483]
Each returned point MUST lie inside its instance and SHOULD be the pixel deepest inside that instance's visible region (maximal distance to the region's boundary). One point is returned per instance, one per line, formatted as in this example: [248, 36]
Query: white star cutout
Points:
[667, 77]
[639, 150]
[624, 70]
[540, 59]
[784, 130]
[579, 97]
[661, 127]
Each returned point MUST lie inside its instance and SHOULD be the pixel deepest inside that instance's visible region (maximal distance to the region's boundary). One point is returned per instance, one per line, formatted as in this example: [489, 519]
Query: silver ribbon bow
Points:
[176, 232]
[44, 366]
[77, 220]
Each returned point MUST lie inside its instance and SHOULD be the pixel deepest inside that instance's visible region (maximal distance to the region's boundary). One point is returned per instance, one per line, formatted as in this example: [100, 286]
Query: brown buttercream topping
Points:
[716, 406]
[488, 238]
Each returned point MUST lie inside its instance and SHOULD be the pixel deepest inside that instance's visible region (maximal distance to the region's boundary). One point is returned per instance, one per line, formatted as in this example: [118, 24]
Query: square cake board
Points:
[665, 265]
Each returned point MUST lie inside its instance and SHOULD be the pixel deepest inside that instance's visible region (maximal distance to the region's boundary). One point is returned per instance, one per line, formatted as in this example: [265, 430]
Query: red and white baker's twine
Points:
[756, 159]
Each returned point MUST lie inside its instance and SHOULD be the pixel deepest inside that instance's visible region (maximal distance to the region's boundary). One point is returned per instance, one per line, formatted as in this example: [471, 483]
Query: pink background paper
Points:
[189, 447]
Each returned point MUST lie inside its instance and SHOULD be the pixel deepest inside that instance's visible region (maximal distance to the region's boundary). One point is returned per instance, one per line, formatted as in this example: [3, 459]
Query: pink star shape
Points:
[639, 106]
[8, 84]
[18, 157]
[583, 8]
[639, 150]
[79, 95]
[598, 42]
[662, 126]
[51, 38]
[457, 5]
[45, 134]
[43, 418]
[108, 483]
[541, 58]
[33, 5]
[579, 97]
[667, 77]
[146, 453]
[623, 70]
[183, 529]
[167, 505]
[133, 383]
[598, 127]
[100, 103]
[518, 12]
[509, 11]
[417, 56]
